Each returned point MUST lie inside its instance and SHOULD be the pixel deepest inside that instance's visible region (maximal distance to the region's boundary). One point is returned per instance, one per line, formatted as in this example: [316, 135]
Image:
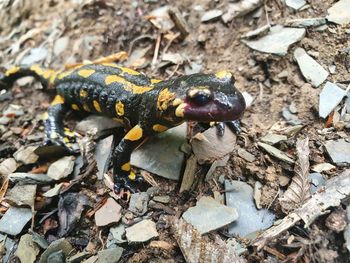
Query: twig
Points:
[156, 50]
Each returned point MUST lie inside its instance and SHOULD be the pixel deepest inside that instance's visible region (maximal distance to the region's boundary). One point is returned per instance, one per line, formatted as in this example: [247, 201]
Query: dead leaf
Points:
[299, 189]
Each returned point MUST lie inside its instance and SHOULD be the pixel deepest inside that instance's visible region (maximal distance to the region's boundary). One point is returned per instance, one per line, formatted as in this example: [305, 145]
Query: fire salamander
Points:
[143, 105]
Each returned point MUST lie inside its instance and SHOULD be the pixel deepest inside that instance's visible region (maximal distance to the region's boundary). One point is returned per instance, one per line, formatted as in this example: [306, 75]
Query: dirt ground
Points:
[99, 28]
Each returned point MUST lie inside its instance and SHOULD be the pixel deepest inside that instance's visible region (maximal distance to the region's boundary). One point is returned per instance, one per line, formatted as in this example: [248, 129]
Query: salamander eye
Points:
[200, 98]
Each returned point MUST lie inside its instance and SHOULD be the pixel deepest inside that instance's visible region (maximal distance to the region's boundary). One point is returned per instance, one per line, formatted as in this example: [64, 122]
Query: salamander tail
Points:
[45, 76]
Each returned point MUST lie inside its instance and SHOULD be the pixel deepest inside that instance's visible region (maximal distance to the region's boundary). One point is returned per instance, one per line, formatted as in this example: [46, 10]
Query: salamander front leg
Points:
[55, 132]
[124, 178]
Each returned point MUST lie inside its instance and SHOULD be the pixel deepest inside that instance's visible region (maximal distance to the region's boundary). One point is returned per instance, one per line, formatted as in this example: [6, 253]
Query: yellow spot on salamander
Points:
[119, 108]
[179, 112]
[97, 106]
[37, 69]
[223, 74]
[159, 128]
[164, 98]
[177, 102]
[12, 70]
[53, 78]
[134, 134]
[75, 107]
[132, 176]
[64, 74]
[128, 86]
[57, 100]
[48, 73]
[154, 81]
[126, 167]
[66, 140]
[83, 93]
[68, 132]
[85, 73]
[86, 107]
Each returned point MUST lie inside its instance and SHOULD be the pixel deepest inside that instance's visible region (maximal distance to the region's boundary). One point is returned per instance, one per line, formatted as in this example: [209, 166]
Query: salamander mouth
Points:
[212, 111]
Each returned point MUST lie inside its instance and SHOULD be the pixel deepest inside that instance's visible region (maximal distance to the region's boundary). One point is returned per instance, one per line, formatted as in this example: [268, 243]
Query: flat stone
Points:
[189, 174]
[102, 152]
[248, 99]
[109, 213]
[306, 22]
[209, 215]
[142, 231]
[60, 45]
[13, 111]
[35, 55]
[161, 154]
[339, 13]
[240, 8]
[8, 166]
[111, 255]
[295, 4]
[277, 41]
[138, 203]
[347, 230]
[339, 151]
[211, 15]
[26, 178]
[9, 247]
[61, 168]
[79, 257]
[246, 155]
[316, 181]
[14, 220]
[56, 246]
[330, 96]
[26, 155]
[118, 233]
[240, 195]
[313, 72]
[276, 153]
[208, 146]
[320, 167]
[27, 249]
[53, 191]
[21, 195]
[164, 199]
[100, 123]
[272, 138]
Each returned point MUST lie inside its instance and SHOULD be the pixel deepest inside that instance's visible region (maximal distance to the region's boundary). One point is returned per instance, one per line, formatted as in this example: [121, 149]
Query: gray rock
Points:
[339, 13]
[272, 138]
[347, 230]
[21, 195]
[295, 4]
[56, 246]
[26, 155]
[35, 55]
[246, 155]
[142, 231]
[306, 22]
[9, 247]
[8, 166]
[109, 213]
[339, 151]
[161, 155]
[248, 99]
[209, 215]
[27, 250]
[330, 96]
[316, 181]
[12, 110]
[289, 117]
[311, 70]
[277, 41]
[138, 203]
[118, 233]
[240, 195]
[101, 124]
[60, 45]
[165, 199]
[276, 153]
[102, 151]
[26, 178]
[240, 9]
[14, 220]
[211, 15]
[256, 32]
[61, 168]
[111, 255]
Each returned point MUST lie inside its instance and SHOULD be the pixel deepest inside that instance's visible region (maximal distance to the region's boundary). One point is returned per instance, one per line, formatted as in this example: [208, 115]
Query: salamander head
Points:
[207, 97]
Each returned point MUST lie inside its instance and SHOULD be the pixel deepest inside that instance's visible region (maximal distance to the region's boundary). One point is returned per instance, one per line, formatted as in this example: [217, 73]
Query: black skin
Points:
[146, 106]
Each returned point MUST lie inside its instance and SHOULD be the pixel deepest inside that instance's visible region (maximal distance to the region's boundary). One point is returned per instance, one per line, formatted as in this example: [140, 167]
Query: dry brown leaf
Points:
[299, 190]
